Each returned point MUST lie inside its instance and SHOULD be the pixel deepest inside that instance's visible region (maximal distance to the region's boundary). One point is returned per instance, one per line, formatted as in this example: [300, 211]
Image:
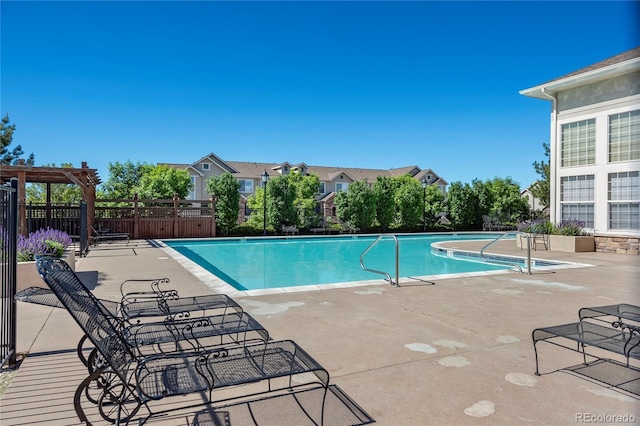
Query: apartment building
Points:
[595, 145]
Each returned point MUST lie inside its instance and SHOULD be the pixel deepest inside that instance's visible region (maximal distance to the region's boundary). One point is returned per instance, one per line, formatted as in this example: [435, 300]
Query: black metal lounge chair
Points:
[131, 380]
[231, 326]
[617, 337]
[99, 235]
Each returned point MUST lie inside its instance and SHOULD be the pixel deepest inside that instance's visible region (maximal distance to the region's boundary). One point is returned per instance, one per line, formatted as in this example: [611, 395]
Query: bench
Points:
[129, 380]
[619, 336]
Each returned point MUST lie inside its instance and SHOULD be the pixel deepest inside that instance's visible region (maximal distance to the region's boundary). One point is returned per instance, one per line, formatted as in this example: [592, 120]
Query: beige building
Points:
[332, 179]
[595, 145]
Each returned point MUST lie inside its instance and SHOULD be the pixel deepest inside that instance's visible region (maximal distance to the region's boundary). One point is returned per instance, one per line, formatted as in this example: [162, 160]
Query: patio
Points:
[457, 352]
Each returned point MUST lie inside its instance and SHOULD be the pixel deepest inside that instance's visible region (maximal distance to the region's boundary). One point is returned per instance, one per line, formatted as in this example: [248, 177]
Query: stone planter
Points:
[572, 244]
[27, 274]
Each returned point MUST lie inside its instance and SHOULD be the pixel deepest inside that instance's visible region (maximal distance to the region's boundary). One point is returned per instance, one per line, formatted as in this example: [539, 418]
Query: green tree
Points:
[163, 182]
[60, 193]
[542, 188]
[225, 189]
[462, 205]
[6, 137]
[123, 179]
[280, 202]
[305, 202]
[485, 197]
[508, 204]
[384, 189]
[434, 203]
[408, 201]
[255, 202]
[357, 206]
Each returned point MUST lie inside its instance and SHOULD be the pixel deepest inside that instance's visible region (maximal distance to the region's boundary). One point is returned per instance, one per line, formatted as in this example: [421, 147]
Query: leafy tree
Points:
[60, 193]
[542, 188]
[357, 206]
[163, 182]
[225, 189]
[255, 202]
[508, 204]
[408, 201]
[384, 189]
[281, 195]
[485, 200]
[463, 205]
[6, 137]
[123, 179]
[305, 202]
[434, 203]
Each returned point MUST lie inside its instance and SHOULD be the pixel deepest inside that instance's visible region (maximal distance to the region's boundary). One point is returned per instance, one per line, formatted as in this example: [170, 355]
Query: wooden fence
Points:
[139, 218]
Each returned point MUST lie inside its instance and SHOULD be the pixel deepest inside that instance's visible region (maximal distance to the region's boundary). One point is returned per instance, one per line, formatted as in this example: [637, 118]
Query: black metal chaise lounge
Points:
[131, 380]
[615, 329]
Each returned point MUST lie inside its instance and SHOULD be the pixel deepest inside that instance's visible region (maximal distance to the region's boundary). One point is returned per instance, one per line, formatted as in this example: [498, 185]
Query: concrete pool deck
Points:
[457, 351]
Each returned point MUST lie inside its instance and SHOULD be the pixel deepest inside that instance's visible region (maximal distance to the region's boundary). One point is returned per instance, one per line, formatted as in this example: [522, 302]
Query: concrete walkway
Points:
[455, 352]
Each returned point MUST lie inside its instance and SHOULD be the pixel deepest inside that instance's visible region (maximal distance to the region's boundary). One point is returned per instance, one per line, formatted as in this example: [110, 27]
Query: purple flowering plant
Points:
[44, 241]
[571, 227]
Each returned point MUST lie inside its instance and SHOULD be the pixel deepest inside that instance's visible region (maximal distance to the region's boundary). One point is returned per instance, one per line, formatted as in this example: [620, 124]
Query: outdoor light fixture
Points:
[424, 202]
[265, 178]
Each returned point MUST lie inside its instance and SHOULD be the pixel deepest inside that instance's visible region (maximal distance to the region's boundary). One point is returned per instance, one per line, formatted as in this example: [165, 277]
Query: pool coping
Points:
[220, 286]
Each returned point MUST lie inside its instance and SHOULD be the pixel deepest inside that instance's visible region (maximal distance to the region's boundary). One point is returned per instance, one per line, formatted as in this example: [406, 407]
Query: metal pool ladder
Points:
[506, 262]
[397, 283]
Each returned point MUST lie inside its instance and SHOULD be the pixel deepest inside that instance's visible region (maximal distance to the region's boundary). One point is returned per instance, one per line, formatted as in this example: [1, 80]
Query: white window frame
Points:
[206, 166]
[577, 199]
[624, 136]
[342, 186]
[578, 143]
[192, 192]
[623, 195]
[244, 183]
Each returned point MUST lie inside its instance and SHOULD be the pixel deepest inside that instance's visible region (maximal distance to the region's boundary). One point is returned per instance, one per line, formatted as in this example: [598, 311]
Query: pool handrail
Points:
[506, 262]
[395, 238]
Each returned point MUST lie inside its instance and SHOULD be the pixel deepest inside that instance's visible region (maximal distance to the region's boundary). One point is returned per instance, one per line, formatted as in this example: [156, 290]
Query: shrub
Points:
[49, 242]
[571, 227]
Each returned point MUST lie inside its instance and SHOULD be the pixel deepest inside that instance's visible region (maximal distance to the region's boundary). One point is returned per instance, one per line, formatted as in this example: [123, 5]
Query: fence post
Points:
[213, 217]
[136, 217]
[9, 277]
[175, 215]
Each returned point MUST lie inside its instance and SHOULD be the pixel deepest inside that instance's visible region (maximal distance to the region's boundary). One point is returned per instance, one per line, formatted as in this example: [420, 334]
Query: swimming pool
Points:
[265, 263]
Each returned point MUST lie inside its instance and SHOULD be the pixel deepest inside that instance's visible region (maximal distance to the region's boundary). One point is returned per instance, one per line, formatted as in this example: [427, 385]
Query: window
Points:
[624, 136]
[321, 188]
[578, 143]
[246, 185]
[206, 166]
[342, 186]
[624, 190]
[577, 198]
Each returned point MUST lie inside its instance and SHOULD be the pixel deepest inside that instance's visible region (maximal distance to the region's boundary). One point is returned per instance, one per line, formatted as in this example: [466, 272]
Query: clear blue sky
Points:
[352, 84]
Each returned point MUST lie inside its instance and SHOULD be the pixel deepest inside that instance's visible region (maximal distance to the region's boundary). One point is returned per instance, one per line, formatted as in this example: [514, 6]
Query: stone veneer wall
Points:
[621, 245]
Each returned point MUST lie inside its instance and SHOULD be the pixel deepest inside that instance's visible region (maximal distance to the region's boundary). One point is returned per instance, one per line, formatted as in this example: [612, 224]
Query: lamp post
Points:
[265, 178]
[424, 202]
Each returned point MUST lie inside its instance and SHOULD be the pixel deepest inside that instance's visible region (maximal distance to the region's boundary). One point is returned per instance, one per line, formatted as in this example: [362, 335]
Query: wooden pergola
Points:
[85, 178]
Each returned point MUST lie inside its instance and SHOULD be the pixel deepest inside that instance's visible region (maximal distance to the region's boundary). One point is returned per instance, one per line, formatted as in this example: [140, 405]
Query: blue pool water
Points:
[259, 263]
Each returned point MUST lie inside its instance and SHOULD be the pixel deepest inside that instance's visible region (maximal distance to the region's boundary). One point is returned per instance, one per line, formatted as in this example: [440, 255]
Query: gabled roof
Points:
[408, 170]
[217, 161]
[624, 63]
[182, 166]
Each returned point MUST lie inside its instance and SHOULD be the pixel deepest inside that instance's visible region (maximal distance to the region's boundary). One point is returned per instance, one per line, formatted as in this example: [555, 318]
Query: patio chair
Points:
[130, 380]
[105, 234]
[141, 307]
